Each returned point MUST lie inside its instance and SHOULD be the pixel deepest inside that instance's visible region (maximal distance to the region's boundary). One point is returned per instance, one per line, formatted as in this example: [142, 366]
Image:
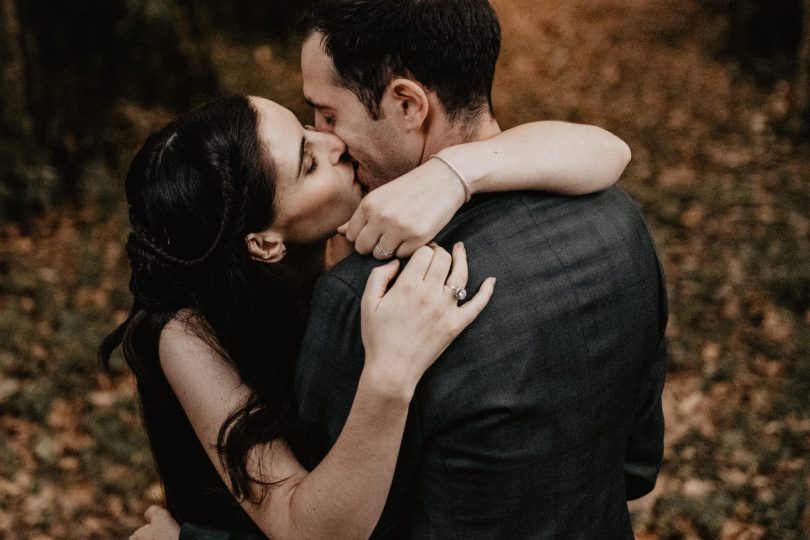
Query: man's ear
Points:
[408, 100]
[266, 246]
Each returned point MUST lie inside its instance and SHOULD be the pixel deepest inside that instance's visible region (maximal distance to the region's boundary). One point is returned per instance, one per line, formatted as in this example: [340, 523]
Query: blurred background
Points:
[711, 95]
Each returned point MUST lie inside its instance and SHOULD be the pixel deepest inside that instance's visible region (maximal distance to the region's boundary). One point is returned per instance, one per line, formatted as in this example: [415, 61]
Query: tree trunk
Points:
[800, 100]
[12, 85]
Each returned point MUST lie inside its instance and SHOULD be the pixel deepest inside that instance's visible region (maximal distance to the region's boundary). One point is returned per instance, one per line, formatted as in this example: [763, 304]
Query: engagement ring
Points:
[459, 292]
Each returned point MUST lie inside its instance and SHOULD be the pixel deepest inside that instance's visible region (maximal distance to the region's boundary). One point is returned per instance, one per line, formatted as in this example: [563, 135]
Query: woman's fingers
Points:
[356, 223]
[439, 267]
[365, 241]
[458, 276]
[161, 525]
[407, 248]
[378, 282]
[477, 303]
[146, 532]
[418, 265]
[152, 512]
[385, 248]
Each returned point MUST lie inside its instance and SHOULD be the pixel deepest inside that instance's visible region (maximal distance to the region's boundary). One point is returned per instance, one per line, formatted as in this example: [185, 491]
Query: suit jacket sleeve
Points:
[645, 447]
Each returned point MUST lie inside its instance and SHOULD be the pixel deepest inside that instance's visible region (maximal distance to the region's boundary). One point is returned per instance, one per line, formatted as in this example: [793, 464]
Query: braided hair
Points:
[195, 189]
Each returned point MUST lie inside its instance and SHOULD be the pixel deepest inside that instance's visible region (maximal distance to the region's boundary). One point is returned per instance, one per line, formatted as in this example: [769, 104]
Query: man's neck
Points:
[443, 134]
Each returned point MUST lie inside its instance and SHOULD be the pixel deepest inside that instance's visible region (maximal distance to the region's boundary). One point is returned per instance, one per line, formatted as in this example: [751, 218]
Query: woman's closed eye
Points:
[313, 165]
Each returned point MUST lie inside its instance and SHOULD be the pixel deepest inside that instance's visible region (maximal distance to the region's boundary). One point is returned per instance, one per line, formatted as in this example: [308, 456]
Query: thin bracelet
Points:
[467, 192]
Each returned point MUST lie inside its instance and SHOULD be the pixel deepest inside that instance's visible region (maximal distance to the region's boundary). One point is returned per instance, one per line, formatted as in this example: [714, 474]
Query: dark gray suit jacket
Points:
[544, 416]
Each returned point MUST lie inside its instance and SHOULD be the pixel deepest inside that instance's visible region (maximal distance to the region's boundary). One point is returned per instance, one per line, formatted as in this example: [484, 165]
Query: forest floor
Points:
[726, 197]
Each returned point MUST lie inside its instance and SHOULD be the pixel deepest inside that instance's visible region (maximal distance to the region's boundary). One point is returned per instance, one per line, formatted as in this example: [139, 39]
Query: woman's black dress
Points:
[194, 491]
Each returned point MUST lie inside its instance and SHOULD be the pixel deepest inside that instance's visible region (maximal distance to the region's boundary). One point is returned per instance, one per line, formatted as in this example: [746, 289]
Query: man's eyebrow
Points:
[313, 104]
[301, 158]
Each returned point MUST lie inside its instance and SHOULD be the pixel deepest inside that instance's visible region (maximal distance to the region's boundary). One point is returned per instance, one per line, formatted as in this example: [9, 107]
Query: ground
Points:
[724, 193]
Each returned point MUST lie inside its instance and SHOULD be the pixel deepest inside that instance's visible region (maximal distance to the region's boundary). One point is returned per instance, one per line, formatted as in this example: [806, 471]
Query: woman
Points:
[216, 324]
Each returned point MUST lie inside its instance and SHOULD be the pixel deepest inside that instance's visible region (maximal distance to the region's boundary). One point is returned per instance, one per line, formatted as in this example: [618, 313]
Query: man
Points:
[544, 416]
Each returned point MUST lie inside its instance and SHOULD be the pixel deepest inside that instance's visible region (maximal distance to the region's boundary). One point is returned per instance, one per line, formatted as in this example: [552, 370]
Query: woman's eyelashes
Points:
[313, 163]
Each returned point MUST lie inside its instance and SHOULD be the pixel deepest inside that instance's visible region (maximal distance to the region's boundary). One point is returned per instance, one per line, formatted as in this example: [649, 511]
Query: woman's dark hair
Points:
[450, 46]
[195, 190]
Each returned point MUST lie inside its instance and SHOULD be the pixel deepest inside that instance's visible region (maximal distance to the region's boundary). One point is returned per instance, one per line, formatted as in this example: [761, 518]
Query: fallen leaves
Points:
[724, 194]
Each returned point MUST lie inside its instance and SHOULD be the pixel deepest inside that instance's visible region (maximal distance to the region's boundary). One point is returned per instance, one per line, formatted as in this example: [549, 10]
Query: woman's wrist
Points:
[438, 171]
[388, 385]
[462, 180]
[474, 163]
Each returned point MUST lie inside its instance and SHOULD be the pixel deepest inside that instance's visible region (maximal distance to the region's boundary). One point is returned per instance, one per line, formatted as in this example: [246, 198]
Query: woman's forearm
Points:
[554, 156]
[344, 495]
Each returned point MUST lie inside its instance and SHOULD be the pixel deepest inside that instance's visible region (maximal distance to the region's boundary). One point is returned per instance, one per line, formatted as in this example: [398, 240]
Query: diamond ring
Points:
[459, 292]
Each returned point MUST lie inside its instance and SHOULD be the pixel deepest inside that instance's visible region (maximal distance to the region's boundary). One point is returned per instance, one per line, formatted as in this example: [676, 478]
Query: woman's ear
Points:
[408, 101]
[266, 246]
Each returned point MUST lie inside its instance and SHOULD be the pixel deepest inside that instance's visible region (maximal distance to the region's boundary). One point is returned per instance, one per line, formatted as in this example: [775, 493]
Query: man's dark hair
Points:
[450, 46]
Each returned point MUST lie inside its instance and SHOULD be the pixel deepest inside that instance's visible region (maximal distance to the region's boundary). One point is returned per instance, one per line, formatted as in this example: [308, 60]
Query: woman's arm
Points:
[566, 158]
[344, 495]
[406, 213]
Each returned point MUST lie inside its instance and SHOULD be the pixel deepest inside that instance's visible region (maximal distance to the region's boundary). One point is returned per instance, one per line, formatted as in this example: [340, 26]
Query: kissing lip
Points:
[346, 160]
[356, 168]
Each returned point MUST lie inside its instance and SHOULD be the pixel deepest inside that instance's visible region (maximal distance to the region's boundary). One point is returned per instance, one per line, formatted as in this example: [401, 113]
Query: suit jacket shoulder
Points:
[526, 417]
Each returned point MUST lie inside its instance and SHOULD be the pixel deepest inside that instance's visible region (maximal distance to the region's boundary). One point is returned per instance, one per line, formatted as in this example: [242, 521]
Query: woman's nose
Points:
[333, 145]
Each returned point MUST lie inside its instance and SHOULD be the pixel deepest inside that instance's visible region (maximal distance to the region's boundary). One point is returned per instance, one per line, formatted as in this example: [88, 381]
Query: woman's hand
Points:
[406, 213]
[408, 327]
[161, 526]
